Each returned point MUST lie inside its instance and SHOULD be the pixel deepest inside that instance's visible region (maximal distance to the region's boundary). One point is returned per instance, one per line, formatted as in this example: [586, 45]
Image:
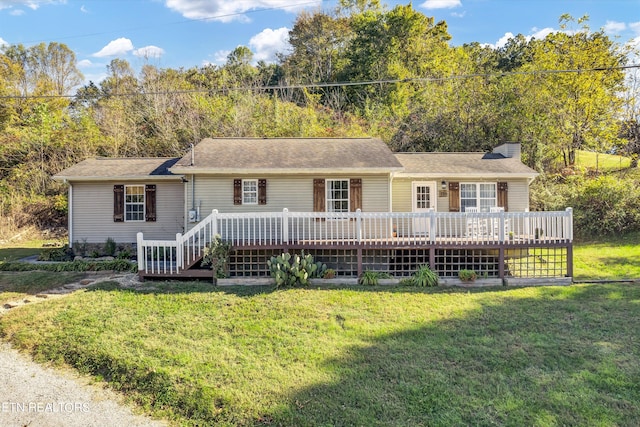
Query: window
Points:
[134, 203]
[338, 195]
[249, 191]
[480, 195]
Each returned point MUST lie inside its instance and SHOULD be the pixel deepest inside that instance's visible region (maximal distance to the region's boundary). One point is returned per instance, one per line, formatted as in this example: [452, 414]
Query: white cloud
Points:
[16, 12]
[441, 4]
[537, 34]
[3, 42]
[149, 52]
[228, 10]
[116, 47]
[635, 27]
[31, 4]
[219, 58]
[540, 34]
[269, 42]
[85, 63]
[83, 9]
[459, 14]
[503, 40]
[613, 27]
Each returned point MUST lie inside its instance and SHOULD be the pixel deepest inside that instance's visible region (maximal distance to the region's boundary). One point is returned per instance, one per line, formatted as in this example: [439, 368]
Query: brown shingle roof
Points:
[102, 168]
[462, 164]
[222, 155]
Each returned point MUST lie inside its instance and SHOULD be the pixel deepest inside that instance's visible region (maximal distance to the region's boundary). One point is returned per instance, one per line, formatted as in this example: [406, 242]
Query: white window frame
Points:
[128, 214]
[493, 201]
[250, 196]
[330, 198]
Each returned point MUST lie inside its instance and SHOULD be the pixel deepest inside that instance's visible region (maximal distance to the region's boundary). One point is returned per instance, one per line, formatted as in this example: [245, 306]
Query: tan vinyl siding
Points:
[518, 193]
[293, 192]
[93, 213]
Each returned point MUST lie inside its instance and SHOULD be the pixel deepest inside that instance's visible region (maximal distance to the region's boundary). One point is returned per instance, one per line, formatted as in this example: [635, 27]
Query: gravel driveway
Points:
[38, 396]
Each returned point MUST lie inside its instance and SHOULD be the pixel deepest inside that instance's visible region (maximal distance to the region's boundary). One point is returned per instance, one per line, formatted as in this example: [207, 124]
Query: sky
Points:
[194, 33]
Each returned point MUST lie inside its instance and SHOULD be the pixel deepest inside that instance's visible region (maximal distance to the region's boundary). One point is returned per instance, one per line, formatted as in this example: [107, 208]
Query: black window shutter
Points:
[118, 203]
[150, 202]
[262, 191]
[237, 191]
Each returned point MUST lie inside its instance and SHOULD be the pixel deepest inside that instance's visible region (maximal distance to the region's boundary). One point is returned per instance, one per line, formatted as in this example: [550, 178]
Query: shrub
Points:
[371, 278]
[110, 247]
[467, 275]
[606, 206]
[63, 253]
[294, 270]
[425, 277]
[217, 256]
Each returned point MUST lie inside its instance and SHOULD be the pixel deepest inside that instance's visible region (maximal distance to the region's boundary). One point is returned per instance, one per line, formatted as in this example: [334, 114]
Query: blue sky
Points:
[189, 33]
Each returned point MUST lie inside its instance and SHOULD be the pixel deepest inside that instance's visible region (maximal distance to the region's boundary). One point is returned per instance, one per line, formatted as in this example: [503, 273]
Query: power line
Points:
[184, 21]
[339, 84]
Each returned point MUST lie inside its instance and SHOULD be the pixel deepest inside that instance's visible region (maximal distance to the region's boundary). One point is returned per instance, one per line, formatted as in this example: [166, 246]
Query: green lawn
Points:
[370, 356]
[603, 162]
[611, 258]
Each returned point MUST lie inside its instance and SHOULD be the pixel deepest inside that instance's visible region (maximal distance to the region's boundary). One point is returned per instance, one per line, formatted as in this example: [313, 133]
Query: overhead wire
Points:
[335, 84]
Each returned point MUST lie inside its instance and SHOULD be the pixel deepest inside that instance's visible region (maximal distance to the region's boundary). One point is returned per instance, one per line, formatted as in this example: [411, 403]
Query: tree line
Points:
[361, 69]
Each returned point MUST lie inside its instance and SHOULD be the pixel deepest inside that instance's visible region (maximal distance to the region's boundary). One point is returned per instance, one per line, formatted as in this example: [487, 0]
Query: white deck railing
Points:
[365, 228]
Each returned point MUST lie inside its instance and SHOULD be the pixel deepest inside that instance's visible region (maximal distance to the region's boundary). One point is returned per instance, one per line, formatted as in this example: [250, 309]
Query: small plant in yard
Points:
[329, 273]
[63, 253]
[372, 278]
[467, 275]
[110, 247]
[425, 277]
[294, 270]
[216, 255]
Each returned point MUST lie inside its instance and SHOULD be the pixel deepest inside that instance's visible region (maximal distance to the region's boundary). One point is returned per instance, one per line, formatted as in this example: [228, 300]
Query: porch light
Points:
[443, 185]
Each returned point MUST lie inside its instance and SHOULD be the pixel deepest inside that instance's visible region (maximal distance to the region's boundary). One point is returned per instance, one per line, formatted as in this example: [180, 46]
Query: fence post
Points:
[569, 224]
[140, 248]
[359, 225]
[432, 226]
[179, 257]
[285, 226]
[501, 235]
[214, 223]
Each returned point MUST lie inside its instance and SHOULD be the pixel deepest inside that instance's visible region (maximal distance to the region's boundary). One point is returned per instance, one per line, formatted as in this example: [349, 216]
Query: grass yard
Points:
[200, 355]
[18, 285]
[612, 258]
[601, 161]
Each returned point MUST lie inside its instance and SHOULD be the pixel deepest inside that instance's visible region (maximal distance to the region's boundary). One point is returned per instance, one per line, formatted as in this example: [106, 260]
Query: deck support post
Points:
[501, 261]
[432, 257]
[570, 259]
[359, 252]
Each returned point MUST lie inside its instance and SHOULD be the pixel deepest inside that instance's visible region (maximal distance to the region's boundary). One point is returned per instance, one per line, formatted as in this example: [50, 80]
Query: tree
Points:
[580, 101]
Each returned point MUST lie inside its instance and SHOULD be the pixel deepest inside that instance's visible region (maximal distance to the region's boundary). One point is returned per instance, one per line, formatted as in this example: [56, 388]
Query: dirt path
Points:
[38, 396]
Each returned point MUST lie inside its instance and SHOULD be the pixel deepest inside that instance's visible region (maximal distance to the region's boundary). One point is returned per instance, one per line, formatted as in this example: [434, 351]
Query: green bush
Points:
[294, 270]
[425, 277]
[63, 253]
[114, 265]
[606, 206]
[216, 255]
[110, 247]
[371, 278]
[467, 275]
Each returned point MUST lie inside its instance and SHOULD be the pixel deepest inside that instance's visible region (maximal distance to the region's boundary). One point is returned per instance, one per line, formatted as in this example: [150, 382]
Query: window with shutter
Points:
[262, 191]
[237, 191]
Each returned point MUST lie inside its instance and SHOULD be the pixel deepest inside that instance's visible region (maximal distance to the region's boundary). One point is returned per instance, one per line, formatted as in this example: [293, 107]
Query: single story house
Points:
[266, 195]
